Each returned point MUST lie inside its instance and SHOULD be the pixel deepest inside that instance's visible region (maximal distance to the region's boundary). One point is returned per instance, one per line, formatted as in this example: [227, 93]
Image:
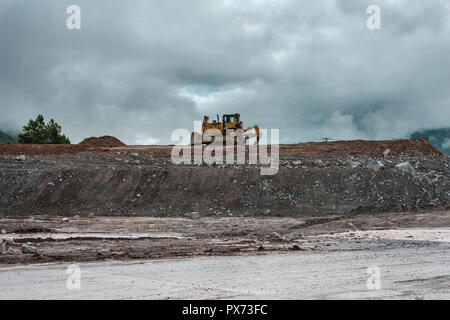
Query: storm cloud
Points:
[140, 69]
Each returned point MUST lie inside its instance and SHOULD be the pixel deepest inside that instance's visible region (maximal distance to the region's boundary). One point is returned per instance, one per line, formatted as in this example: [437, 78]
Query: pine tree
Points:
[37, 132]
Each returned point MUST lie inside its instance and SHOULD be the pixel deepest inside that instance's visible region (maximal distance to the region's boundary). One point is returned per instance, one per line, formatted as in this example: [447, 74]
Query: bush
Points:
[36, 131]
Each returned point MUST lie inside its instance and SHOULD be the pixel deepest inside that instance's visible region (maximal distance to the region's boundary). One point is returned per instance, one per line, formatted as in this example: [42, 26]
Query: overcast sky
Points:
[140, 69]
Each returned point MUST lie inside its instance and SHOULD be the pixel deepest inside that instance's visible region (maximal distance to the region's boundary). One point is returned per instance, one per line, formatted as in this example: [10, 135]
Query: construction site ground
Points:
[62, 240]
[370, 176]
[131, 218]
[416, 267]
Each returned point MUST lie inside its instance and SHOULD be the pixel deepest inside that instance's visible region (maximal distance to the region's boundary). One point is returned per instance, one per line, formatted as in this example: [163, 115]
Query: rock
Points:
[76, 217]
[416, 153]
[65, 219]
[375, 165]
[386, 151]
[266, 212]
[295, 247]
[9, 241]
[195, 215]
[433, 180]
[319, 163]
[292, 235]
[353, 164]
[279, 236]
[3, 231]
[138, 195]
[405, 166]
[26, 249]
[22, 157]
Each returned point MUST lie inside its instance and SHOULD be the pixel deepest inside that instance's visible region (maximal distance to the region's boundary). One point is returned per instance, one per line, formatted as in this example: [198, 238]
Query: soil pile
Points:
[361, 148]
[33, 150]
[103, 142]
[355, 148]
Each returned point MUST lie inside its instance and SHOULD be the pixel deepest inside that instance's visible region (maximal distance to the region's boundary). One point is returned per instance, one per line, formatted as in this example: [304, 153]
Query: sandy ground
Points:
[405, 273]
[437, 235]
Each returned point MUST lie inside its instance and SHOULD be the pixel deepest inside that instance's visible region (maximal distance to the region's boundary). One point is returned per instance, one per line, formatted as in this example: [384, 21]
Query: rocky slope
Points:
[143, 184]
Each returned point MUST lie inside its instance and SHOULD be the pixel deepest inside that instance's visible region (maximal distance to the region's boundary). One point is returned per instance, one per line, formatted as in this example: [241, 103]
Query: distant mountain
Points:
[4, 138]
[440, 138]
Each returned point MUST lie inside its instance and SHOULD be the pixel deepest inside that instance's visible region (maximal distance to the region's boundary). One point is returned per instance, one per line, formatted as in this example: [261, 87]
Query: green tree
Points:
[54, 135]
[36, 131]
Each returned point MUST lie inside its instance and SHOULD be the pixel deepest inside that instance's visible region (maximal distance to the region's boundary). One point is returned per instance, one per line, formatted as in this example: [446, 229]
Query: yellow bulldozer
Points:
[229, 128]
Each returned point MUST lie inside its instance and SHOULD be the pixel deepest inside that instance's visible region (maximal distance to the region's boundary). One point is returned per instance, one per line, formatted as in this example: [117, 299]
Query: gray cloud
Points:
[140, 69]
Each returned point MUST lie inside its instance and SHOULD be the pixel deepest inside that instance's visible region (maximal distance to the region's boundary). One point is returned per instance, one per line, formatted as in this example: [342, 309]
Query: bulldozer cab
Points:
[231, 121]
[230, 118]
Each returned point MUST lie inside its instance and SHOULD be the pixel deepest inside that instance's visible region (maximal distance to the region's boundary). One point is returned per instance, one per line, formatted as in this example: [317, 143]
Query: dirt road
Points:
[407, 271]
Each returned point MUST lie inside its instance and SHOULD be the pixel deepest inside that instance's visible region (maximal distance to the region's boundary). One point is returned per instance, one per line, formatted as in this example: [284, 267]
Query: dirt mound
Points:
[357, 148]
[364, 148]
[105, 142]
